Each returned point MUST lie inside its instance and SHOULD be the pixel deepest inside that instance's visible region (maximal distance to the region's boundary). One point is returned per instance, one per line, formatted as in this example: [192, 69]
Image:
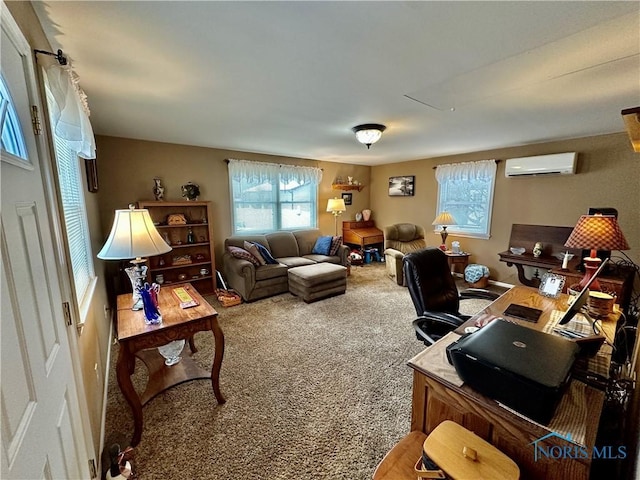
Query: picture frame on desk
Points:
[551, 285]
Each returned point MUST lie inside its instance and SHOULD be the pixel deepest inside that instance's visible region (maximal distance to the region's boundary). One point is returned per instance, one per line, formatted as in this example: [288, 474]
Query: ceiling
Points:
[293, 78]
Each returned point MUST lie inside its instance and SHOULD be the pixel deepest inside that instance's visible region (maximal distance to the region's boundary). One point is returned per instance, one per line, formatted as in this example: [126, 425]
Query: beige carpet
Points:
[314, 391]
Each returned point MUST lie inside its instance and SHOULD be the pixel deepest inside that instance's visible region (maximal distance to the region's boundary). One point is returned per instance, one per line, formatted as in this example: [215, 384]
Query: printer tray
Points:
[522, 368]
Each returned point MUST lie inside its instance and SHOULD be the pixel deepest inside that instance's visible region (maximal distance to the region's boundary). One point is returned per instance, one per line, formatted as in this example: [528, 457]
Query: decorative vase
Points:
[149, 295]
[366, 215]
[158, 189]
[358, 217]
[171, 352]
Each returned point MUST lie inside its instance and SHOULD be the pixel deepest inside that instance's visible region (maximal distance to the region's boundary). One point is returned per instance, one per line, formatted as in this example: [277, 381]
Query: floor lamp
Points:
[133, 236]
[336, 206]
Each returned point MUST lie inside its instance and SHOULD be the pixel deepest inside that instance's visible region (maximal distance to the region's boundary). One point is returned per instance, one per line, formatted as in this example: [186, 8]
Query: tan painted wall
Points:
[608, 175]
[126, 169]
[93, 343]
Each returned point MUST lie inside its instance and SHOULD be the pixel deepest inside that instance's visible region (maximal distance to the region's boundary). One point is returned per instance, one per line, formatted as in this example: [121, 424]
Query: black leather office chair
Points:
[435, 295]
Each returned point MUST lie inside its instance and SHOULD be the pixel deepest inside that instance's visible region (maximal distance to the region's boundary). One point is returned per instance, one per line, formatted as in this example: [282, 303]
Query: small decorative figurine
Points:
[158, 189]
[191, 191]
[537, 249]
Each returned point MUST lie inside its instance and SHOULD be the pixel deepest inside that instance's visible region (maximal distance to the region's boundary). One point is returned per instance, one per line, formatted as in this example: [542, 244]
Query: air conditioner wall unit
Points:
[555, 164]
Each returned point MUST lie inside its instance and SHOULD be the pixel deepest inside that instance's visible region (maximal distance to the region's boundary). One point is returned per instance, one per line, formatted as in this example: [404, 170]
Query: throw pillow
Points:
[266, 254]
[253, 250]
[336, 242]
[238, 252]
[322, 246]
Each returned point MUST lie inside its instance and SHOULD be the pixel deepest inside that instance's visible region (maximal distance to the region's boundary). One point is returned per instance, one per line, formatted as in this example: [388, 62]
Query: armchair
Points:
[400, 239]
[435, 295]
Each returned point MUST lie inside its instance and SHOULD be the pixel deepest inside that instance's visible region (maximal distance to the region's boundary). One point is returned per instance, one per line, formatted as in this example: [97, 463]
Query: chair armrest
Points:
[478, 293]
[432, 326]
[392, 252]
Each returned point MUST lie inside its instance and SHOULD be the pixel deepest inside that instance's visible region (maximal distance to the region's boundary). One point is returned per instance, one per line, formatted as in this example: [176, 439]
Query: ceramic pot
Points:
[366, 215]
[358, 217]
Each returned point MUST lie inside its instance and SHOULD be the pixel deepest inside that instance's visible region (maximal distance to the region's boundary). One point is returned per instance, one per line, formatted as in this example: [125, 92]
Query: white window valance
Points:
[483, 170]
[263, 171]
[69, 111]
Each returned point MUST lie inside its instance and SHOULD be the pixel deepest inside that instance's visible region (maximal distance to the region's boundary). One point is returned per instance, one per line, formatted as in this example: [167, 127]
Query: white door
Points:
[41, 426]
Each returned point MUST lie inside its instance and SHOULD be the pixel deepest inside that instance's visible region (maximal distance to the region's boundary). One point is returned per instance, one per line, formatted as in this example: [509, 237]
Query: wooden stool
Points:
[460, 453]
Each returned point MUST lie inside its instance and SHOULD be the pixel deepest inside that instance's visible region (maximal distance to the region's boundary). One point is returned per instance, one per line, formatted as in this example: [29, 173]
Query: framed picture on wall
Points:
[348, 198]
[401, 186]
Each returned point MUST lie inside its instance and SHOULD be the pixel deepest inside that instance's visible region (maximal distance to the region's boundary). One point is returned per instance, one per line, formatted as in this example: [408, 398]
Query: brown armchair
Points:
[400, 239]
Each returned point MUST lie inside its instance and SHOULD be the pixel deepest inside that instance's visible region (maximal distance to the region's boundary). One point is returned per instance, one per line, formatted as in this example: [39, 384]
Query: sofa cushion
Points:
[271, 271]
[241, 253]
[295, 261]
[323, 258]
[322, 246]
[253, 250]
[336, 241]
[266, 254]
[306, 240]
[282, 244]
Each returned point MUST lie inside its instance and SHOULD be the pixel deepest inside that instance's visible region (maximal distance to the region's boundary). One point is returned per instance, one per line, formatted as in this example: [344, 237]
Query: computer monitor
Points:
[581, 299]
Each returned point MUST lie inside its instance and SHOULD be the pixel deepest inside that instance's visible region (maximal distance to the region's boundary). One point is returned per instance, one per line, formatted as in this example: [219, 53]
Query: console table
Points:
[552, 239]
[455, 259]
[137, 339]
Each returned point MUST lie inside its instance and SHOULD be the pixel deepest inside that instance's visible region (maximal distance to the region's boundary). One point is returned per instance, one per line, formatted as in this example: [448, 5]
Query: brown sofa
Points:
[290, 249]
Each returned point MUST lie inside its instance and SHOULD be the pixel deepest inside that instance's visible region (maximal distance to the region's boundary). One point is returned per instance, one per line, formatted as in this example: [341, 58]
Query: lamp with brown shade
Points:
[596, 232]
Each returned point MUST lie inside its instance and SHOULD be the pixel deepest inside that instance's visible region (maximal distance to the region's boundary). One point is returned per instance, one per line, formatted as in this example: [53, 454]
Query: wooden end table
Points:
[137, 339]
[455, 259]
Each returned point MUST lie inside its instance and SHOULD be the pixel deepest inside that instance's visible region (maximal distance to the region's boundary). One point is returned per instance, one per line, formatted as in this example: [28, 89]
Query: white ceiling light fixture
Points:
[368, 133]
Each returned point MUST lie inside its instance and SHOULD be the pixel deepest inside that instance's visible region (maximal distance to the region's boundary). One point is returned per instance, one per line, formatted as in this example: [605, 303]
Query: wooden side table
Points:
[137, 339]
[456, 259]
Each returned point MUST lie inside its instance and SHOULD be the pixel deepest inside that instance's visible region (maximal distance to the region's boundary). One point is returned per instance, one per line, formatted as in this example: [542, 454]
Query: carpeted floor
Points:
[314, 391]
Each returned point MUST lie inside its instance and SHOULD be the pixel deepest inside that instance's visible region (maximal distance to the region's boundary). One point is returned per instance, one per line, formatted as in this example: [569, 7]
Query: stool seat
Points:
[320, 280]
[445, 446]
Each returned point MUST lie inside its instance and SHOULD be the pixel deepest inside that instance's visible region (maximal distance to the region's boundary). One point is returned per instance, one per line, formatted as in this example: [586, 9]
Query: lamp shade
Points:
[336, 205]
[133, 235]
[445, 218]
[597, 232]
[368, 133]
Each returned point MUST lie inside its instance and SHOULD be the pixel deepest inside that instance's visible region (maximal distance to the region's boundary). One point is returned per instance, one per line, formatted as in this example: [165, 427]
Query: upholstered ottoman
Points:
[313, 282]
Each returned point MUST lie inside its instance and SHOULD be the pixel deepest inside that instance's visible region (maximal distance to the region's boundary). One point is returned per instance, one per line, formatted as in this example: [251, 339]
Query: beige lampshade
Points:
[133, 235]
[597, 232]
[336, 205]
[445, 218]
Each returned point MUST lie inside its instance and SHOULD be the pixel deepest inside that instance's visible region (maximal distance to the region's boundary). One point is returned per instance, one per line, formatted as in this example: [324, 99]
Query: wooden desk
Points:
[134, 336]
[362, 234]
[436, 399]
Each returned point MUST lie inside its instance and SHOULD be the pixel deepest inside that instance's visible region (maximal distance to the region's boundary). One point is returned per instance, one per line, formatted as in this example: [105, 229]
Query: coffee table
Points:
[137, 339]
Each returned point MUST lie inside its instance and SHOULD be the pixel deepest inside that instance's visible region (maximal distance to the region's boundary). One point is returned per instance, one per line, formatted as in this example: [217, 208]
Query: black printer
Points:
[525, 369]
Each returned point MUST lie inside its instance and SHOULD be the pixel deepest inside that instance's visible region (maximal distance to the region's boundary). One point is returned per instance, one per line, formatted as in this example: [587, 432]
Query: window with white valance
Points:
[72, 138]
[267, 197]
[465, 190]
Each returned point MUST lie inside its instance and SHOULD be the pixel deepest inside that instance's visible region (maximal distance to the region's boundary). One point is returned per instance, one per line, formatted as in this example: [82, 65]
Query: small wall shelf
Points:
[345, 186]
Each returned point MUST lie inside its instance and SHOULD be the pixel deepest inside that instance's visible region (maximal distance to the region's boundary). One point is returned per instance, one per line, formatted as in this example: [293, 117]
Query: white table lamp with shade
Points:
[134, 236]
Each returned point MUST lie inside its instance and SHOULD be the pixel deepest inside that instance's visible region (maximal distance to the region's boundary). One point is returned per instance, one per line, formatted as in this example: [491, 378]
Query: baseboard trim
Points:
[492, 282]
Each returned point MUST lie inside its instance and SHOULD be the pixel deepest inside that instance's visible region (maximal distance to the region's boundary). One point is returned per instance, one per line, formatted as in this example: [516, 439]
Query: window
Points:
[465, 190]
[11, 141]
[267, 197]
[68, 166]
